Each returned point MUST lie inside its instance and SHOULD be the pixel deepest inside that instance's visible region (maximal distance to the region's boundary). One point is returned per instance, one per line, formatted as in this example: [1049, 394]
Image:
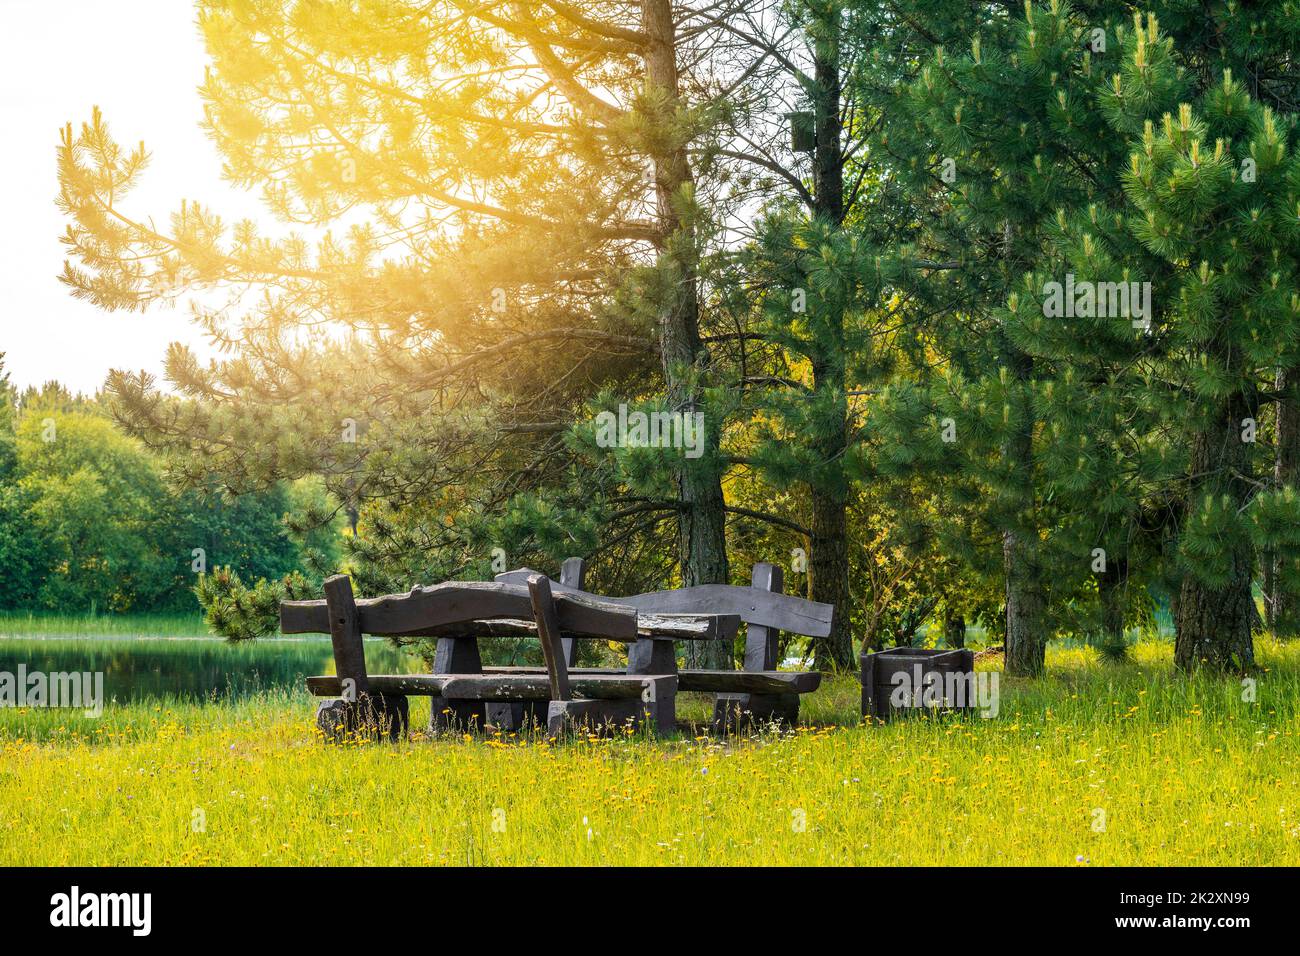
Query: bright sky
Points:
[140, 61]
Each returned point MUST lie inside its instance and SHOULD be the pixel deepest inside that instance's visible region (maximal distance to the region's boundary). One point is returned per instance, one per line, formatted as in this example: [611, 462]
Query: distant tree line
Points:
[91, 522]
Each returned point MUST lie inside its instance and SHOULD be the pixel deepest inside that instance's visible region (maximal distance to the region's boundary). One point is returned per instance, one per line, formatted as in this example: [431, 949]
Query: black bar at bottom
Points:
[572, 906]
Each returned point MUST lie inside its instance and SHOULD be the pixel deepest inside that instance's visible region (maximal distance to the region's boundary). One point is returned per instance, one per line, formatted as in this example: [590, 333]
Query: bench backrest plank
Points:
[573, 573]
[754, 606]
[459, 602]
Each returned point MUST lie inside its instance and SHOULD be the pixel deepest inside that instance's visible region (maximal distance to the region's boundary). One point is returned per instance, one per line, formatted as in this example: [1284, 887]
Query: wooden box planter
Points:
[930, 675]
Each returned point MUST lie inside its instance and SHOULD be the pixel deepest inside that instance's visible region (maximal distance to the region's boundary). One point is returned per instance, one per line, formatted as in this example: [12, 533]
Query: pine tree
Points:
[504, 315]
[1208, 218]
[814, 306]
[1121, 158]
[981, 155]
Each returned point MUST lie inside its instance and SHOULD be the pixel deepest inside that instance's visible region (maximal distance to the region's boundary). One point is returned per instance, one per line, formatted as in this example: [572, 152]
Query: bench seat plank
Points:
[419, 685]
[710, 681]
[516, 684]
[750, 682]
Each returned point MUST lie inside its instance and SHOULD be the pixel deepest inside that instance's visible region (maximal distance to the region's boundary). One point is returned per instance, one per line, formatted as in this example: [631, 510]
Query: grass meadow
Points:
[1097, 764]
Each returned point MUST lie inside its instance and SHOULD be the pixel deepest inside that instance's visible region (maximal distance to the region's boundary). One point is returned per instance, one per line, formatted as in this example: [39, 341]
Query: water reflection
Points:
[191, 668]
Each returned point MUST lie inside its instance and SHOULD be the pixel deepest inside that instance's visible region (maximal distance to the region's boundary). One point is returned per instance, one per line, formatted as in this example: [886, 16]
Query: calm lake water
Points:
[195, 668]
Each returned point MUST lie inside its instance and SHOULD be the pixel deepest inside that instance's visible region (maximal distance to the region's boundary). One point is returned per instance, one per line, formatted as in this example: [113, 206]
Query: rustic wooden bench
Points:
[464, 694]
[759, 691]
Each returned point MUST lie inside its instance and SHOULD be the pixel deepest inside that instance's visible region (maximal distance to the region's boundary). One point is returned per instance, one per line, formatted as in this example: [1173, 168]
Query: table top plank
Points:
[678, 627]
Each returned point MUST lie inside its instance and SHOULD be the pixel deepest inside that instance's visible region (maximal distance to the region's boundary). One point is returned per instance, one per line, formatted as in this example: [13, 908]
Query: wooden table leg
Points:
[657, 657]
[456, 655]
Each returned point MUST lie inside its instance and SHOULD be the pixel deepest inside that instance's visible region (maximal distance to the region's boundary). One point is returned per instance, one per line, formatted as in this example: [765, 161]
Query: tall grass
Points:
[1094, 764]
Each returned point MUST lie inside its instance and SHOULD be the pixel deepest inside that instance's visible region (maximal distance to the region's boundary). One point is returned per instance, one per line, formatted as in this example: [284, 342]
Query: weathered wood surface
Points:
[460, 612]
[516, 684]
[733, 712]
[698, 627]
[461, 694]
[750, 682]
[548, 634]
[456, 655]
[343, 624]
[656, 657]
[424, 610]
[417, 685]
[596, 716]
[761, 641]
[652, 656]
[361, 710]
[515, 715]
[657, 702]
[783, 612]
[537, 686]
[879, 668]
[677, 627]
[868, 662]
[573, 573]
[312, 617]
[376, 716]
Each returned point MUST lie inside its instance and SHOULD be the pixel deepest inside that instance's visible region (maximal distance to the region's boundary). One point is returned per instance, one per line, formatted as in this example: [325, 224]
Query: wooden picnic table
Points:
[458, 615]
[524, 603]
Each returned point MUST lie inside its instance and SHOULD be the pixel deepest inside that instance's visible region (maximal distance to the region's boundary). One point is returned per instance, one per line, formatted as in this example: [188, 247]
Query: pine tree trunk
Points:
[1026, 648]
[828, 155]
[828, 577]
[829, 563]
[702, 540]
[1282, 610]
[1112, 613]
[1026, 595]
[1213, 625]
[954, 629]
[828, 566]
[1110, 591]
[1268, 584]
